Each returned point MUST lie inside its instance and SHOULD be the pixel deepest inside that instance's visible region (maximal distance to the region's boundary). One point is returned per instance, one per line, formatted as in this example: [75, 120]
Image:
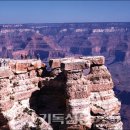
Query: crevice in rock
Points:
[3, 122]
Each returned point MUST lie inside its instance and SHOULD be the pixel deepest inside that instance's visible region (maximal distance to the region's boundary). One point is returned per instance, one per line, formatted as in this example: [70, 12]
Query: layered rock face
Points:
[111, 40]
[79, 91]
[18, 80]
[90, 99]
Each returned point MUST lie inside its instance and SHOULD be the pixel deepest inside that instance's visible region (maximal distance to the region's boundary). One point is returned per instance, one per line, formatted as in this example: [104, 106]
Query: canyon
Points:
[60, 40]
[75, 94]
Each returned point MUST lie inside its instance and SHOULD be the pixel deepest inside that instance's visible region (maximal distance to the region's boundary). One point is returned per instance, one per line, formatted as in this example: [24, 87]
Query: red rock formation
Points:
[80, 88]
[18, 80]
[74, 39]
[89, 96]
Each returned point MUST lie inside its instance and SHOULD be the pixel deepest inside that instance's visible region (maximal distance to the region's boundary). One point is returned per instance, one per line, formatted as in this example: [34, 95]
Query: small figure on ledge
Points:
[38, 57]
[22, 57]
[26, 57]
[4, 62]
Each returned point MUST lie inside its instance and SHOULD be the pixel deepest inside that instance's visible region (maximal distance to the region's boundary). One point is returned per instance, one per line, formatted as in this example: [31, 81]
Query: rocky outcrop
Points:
[77, 94]
[90, 99]
[18, 80]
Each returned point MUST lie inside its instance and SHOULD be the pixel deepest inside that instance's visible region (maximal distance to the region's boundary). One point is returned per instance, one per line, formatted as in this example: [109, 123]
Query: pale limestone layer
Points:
[18, 80]
[90, 94]
[83, 85]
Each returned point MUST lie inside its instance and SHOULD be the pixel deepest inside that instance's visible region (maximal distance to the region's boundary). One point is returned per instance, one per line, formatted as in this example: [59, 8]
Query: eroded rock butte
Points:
[79, 91]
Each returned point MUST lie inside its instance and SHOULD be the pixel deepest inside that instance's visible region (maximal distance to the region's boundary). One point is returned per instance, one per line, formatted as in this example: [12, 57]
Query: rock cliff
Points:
[18, 79]
[89, 95]
[58, 40]
[77, 94]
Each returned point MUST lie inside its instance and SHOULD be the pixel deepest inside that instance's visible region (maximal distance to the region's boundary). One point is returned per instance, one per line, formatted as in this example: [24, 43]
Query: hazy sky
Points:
[64, 11]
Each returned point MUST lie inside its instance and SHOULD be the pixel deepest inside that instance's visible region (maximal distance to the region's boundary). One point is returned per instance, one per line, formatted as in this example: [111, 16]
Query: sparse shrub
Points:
[38, 123]
[26, 127]
[28, 111]
[11, 97]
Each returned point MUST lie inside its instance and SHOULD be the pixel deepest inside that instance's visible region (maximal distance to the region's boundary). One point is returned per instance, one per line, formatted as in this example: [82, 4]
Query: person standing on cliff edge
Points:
[21, 57]
[38, 57]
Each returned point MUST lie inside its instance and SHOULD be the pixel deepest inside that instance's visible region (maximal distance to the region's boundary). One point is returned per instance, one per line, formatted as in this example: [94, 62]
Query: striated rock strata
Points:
[81, 89]
[18, 80]
[90, 98]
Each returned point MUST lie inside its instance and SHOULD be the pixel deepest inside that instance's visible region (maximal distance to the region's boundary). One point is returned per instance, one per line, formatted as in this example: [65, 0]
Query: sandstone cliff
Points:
[77, 94]
[89, 94]
[18, 79]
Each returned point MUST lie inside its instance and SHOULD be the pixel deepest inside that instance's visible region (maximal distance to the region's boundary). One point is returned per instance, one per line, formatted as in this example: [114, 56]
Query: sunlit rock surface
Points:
[18, 80]
[77, 88]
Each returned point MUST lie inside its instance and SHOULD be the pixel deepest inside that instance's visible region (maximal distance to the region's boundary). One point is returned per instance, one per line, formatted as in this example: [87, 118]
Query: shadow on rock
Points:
[49, 100]
[124, 97]
[3, 123]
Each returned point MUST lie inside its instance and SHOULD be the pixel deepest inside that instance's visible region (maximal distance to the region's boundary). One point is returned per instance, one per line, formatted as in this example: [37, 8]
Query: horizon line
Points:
[67, 22]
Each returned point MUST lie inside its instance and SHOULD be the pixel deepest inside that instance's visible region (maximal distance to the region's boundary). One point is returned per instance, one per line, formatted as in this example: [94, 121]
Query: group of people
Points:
[27, 56]
[24, 56]
[3, 63]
